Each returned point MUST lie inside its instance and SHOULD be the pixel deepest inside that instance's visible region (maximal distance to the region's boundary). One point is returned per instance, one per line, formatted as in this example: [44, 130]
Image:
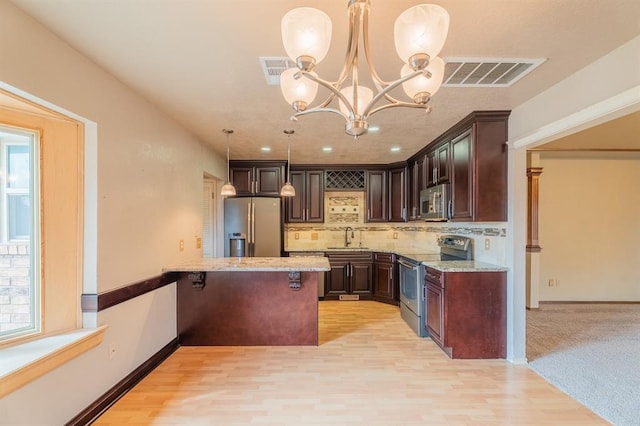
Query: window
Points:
[19, 233]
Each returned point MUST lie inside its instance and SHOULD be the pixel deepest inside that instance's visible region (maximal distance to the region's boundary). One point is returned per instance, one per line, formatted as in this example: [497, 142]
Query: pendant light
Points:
[228, 189]
[288, 190]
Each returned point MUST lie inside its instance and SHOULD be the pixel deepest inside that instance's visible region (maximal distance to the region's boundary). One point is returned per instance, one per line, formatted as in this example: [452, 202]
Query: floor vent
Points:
[273, 66]
[349, 297]
[486, 72]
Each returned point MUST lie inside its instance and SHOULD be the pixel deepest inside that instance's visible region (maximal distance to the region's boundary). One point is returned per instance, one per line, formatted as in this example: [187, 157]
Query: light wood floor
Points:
[369, 369]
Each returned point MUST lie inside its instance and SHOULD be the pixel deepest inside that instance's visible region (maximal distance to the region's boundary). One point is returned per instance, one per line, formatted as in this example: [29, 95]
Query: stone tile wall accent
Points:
[15, 296]
[344, 207]
[411, 237]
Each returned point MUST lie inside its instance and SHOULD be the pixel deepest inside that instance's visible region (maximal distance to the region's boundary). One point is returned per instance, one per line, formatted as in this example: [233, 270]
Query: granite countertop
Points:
[464, 266]
[429, 259]
[262, 264]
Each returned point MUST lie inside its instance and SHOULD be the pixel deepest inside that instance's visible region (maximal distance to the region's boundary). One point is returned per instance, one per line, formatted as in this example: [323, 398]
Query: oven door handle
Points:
[407, 265]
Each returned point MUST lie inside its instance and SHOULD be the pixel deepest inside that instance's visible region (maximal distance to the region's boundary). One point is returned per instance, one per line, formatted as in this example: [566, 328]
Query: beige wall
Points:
[144, 181]
[589, 227]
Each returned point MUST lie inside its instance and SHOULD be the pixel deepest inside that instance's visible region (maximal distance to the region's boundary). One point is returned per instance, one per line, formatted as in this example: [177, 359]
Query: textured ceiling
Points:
[198, 60]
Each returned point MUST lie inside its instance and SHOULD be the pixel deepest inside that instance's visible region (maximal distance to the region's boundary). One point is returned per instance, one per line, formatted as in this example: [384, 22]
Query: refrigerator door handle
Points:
[253, 226]
[248, 241]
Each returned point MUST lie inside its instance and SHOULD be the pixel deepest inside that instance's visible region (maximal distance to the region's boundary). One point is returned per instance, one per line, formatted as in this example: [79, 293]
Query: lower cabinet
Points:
[385, 280]
[350, 274]
[466, 312]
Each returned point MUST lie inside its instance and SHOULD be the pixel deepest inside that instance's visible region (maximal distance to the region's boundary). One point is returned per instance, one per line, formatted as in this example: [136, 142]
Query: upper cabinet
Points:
[438, 160]
[308, 203]
[472, 157]
[479, 168]
[416, 183]
[397, 207]
[257, 178]
[376, 196]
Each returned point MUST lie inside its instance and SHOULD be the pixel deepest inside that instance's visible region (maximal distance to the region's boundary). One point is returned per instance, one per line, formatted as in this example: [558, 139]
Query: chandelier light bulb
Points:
[300, 91]
[306, 32]
[421, 29]
[364, 97]
[421, 88]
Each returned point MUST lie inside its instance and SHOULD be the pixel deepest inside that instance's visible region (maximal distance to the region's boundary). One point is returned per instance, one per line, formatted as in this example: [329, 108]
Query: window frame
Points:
[36, 315]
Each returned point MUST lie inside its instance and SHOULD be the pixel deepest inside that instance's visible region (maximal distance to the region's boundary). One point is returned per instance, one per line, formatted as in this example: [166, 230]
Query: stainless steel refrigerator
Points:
[258, 221]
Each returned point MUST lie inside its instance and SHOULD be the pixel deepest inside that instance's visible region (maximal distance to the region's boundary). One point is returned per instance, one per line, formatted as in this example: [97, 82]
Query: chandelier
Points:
[419, 32]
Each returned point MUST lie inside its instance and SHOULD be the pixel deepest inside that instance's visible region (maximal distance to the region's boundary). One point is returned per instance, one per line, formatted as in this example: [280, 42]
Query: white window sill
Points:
[25, 362]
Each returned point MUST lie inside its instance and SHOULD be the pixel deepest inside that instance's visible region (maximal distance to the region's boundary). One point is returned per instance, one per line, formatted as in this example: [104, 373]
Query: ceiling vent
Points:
[486, 72]
[458, 72]
[273, 66]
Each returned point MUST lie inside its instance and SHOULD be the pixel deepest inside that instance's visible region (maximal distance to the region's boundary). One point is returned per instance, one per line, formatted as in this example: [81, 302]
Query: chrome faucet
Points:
[347, 239]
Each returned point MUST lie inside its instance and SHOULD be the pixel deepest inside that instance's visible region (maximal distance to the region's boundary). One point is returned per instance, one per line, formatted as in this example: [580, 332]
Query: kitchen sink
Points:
[347, 248]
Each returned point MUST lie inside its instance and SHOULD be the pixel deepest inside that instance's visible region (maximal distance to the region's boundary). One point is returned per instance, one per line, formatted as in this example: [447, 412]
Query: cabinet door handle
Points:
[450, 209]
[404, 213]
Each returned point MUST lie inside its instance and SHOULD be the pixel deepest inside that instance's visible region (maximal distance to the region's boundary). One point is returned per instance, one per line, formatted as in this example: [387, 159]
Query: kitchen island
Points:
[248, 301]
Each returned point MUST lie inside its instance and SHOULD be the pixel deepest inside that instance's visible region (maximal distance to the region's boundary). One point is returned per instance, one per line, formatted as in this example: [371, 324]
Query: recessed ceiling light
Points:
[373, 129]
[327, 149]
[265, 149]
[395, 149]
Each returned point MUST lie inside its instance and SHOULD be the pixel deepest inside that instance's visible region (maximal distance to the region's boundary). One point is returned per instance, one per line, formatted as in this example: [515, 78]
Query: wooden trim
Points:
[102, 301]
[102, 404]
[533, 197]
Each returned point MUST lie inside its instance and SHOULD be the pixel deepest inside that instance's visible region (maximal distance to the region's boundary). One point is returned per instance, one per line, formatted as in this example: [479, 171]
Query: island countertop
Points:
[247, 264]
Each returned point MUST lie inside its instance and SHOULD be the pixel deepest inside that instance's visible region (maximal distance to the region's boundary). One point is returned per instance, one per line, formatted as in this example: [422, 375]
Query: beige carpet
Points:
[591, 352]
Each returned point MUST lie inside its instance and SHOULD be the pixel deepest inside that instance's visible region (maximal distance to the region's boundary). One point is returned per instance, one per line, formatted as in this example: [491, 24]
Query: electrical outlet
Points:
[487, 244]
[198, 242]
[395, 235]
[296, 236]
[552, 282]
[314, 236]
[181, 244]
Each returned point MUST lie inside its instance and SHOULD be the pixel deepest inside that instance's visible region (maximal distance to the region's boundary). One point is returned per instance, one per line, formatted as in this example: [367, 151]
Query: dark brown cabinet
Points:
[417, 182]
[385, 280]
[350, 274]
[257, 178]
[466, 312]
[397, 201]
[308, 203]
[479, 168]
[438, 164]
[376, 195]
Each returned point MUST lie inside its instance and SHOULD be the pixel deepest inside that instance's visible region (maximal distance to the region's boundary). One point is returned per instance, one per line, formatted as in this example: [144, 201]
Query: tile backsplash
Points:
[346, 209]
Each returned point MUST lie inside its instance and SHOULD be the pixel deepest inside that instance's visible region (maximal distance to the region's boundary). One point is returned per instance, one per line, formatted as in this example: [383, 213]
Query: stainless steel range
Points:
[412, 283]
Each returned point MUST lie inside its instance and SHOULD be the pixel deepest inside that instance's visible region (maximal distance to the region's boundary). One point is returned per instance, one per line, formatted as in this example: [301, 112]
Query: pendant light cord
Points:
[288, 133]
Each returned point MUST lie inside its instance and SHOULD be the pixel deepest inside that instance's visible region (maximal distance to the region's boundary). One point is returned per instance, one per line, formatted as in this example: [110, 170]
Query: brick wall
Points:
[15, 296]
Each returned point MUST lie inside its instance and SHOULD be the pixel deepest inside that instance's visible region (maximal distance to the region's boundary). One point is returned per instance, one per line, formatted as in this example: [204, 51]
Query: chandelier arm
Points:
[387, 89]
[367, 52]
[318, 109]
[399, 104]
[333, 90]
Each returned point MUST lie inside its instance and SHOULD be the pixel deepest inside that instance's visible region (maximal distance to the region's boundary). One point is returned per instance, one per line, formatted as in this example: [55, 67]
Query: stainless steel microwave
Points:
[435, 204]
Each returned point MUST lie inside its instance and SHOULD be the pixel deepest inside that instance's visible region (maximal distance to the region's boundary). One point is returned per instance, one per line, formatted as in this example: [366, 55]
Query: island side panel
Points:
[248, 309]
